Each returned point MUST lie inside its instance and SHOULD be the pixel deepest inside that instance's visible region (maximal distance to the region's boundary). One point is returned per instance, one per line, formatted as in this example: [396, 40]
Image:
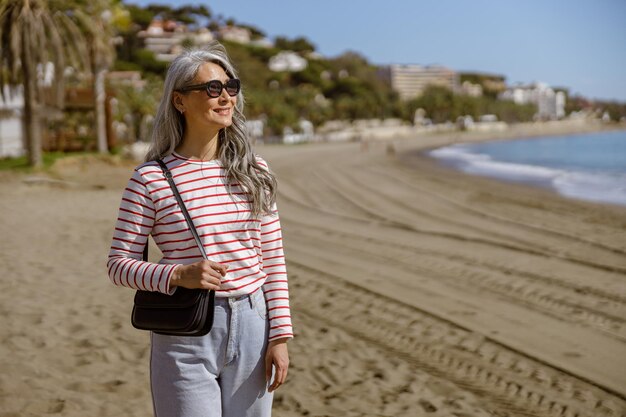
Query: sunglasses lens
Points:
[232, 87]
[214, 88]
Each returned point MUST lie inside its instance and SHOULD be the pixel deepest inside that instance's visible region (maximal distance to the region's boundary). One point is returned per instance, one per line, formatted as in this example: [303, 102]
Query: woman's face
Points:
[202, 111]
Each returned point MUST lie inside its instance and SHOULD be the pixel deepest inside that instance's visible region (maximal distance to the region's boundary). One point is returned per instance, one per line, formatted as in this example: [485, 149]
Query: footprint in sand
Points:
[427, 406]
[55, 406]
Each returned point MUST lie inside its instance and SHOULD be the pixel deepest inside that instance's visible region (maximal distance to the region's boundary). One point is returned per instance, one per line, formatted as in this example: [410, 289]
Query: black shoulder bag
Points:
[187, 312]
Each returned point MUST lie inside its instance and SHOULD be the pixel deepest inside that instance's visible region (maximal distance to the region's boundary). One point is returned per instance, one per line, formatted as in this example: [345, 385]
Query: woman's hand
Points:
[203, 274]
[278, 356]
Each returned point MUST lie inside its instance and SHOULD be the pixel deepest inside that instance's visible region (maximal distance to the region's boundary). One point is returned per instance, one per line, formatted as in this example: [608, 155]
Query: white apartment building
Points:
[287, 61]
[550, 103]
[410, 81]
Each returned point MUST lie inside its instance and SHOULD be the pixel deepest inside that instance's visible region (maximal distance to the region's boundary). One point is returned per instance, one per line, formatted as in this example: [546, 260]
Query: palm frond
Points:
[49, 36]
[78, 52]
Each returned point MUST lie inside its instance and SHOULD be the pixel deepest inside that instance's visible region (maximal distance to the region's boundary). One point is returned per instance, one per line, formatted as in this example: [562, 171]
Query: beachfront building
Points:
[550, 104]
[287, 61]
[410, 81]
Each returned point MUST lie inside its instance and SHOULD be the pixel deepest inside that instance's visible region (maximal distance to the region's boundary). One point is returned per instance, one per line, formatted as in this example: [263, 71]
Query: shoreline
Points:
[573, 183]
[519, 132]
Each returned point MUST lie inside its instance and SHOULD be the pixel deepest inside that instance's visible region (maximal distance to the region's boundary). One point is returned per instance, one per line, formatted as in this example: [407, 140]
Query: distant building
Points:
[165, 38]
[410, 81]
[262, 43]
[470, 89]
[495, 83]
[11, 109]
[130, 78]
[255, 128]
[489, 83]
[235, 34]
[287, 61]
[550, 104]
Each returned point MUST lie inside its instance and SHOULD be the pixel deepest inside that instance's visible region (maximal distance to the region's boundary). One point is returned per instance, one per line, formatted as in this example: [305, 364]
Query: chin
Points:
[227, 124]
[220, 123]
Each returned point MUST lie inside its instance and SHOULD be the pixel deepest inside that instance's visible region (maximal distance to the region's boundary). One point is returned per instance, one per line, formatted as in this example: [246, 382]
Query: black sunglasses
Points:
[214, 87]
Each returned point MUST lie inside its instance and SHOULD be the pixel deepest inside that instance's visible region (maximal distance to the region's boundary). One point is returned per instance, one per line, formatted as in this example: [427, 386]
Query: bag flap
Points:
[182, 298]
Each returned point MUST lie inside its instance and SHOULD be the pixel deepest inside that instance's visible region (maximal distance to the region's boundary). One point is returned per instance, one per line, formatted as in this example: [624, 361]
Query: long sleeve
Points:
[275, 287]
[134, 223]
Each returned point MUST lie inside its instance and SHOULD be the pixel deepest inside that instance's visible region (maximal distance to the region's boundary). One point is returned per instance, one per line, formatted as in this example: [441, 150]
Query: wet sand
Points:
[416, 291]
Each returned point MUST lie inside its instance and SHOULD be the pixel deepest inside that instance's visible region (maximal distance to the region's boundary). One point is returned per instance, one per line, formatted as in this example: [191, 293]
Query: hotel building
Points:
[410, 81]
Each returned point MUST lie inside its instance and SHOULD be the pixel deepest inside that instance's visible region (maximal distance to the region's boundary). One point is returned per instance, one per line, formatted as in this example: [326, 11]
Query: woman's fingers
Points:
[212, 273]
[277, 356]
[210, 283]
[213, 268]
[221, 268]
[281, 366]
[204, 274]
[210, 270]
[280, 375]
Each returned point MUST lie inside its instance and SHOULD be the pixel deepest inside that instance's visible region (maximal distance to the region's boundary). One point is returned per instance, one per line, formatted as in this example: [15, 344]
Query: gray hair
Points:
[234, 148]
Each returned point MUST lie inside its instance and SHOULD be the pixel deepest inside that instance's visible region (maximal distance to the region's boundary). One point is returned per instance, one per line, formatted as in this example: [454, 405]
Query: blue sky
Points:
[579, 44]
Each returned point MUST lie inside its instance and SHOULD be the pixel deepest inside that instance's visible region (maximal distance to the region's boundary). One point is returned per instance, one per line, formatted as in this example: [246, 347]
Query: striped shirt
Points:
[251, 247]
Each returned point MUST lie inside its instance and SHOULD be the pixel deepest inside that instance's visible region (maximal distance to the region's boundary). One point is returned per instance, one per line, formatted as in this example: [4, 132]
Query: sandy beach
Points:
[416, 290]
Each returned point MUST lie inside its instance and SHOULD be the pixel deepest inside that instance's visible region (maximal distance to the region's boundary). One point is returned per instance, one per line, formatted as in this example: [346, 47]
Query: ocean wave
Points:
[601, 187]
[598, 186]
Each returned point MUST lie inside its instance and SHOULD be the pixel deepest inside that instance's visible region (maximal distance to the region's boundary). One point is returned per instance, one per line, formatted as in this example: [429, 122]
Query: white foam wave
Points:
[601, 187]
[606, 187]
[458, 152]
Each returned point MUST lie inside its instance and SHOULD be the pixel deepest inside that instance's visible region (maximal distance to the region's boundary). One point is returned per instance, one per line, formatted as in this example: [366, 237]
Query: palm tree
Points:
[96, 19]
[31, 37]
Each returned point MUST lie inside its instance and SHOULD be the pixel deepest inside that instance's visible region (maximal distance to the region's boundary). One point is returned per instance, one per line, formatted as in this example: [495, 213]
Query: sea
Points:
[583, 166]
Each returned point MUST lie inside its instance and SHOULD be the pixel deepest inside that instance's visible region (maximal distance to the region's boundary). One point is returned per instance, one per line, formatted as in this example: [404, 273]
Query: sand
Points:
[416, 291]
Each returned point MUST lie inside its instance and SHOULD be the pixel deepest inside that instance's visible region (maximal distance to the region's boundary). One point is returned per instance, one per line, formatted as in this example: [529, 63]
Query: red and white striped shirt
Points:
[251, 247]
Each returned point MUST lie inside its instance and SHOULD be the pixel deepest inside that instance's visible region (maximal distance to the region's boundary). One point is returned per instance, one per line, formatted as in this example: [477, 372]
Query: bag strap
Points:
[181, 204]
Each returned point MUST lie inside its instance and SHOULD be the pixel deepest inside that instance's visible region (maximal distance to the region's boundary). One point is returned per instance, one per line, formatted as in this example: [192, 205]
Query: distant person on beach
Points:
[230, 194]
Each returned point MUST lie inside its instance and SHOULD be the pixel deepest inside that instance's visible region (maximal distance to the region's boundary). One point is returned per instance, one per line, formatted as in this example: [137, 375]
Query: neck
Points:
[199, 145]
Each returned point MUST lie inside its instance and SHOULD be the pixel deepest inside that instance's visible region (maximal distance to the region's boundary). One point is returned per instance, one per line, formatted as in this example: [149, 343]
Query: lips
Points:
[222, 111]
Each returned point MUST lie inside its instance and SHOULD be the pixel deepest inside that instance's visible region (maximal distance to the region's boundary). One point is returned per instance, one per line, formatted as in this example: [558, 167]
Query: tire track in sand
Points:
[557, 298]
[508, 382]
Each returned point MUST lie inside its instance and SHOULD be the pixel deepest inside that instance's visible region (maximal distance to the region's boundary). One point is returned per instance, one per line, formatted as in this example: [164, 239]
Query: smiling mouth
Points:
[225, 111]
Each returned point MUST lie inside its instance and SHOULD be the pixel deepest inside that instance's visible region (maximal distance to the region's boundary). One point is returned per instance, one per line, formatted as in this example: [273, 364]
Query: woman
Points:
[230, 194]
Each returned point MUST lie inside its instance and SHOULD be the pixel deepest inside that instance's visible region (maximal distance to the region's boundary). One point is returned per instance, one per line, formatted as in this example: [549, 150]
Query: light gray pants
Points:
[221, 374]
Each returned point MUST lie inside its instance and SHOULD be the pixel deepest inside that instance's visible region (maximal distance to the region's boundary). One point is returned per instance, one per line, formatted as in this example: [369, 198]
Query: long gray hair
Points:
[234, 149]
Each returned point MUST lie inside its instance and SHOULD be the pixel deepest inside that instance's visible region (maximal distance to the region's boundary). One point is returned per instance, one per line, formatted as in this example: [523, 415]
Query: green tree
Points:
[147, 61]
[32, 35]
[299, 44]
[136, 104]
[187, 43]
[140, 16]
[438, 102]
[255, 32]
[96, 20]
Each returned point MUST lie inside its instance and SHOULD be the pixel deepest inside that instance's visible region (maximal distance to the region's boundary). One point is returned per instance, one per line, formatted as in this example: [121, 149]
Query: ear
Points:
[177, 101]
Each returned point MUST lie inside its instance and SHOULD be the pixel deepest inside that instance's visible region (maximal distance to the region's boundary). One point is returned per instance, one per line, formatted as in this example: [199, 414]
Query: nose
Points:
[224, 96]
